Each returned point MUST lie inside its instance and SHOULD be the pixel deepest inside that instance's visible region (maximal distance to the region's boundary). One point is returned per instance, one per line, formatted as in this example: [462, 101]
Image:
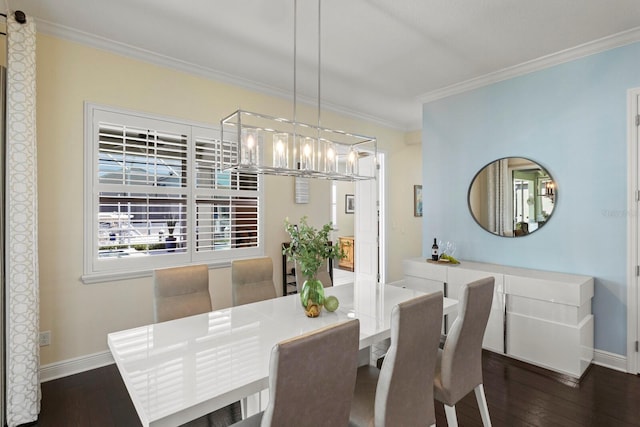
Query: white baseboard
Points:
[610, 360]
[76, 365]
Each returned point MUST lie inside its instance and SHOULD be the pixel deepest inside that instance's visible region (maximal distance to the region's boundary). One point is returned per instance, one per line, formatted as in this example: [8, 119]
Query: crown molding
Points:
[547, 61]
[103, 43]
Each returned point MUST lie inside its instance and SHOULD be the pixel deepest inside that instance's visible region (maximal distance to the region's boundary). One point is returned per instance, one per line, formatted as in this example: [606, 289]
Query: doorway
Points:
[361, 221]
[342, 218]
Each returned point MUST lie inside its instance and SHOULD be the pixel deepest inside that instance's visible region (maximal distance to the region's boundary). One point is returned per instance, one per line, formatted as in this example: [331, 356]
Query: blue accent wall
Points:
[572, 120]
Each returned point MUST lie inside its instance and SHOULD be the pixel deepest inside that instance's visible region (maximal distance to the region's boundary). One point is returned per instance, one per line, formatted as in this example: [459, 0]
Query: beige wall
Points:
[404, 231]
[79, 315]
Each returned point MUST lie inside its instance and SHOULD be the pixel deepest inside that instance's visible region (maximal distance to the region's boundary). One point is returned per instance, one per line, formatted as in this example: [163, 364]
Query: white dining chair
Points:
[459, 367]
[181, 292]
[311, 379]
[395, 395]
[252, 280]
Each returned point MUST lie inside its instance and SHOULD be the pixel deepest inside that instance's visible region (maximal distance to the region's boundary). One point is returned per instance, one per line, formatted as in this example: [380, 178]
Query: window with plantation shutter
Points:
[156, 196]
[226, 202]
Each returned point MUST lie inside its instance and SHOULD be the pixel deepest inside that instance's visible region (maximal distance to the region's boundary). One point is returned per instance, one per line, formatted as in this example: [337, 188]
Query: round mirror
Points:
[512, 197]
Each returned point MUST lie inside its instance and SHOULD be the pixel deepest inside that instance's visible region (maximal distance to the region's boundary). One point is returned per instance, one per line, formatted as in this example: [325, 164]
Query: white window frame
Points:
[98, 269]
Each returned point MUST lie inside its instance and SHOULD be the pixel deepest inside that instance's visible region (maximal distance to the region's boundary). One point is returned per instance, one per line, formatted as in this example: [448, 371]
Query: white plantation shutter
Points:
[226, 202]
[226, 222]
[159, 195]
[131, 162]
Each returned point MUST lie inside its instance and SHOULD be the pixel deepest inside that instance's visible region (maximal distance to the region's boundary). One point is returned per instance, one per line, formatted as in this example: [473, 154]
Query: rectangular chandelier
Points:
[276, 146]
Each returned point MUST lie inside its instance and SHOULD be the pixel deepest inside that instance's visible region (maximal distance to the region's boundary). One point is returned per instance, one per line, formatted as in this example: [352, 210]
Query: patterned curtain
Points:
[500, 207]
[21, 256]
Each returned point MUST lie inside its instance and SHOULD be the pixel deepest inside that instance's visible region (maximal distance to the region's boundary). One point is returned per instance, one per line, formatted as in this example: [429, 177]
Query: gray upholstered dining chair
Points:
[396, 394]
[311, 379]
[180, 292]
[323, 275]
[252, 280]
[459, 368]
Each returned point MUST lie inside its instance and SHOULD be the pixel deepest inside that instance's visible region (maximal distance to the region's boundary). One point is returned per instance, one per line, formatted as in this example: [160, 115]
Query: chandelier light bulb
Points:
[249, 147]
[352, 162]
[330, 154]
[281, 150]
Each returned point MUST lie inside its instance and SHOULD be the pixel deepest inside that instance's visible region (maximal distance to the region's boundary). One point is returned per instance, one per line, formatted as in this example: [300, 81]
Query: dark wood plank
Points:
[96, 398]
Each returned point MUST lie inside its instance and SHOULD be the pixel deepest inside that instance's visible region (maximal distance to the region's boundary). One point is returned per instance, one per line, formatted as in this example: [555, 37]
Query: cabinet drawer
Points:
[460, 276]
[423, 285]
[555, 287]
[546, 310]
[421, 268]
[397, 283]
[562, 348]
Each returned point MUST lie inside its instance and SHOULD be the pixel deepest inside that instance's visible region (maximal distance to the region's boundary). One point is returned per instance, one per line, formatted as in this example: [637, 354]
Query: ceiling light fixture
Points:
[549, 190]
[263, 144]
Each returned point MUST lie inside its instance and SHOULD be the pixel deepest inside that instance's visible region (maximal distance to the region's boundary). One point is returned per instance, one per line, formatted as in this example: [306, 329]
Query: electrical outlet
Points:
[45, 338]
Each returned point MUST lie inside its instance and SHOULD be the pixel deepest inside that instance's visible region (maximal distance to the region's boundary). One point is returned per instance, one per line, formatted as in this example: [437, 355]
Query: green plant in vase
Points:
[309, 248]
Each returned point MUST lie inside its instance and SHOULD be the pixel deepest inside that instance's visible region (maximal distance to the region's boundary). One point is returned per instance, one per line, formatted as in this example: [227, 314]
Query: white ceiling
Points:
[380, 58]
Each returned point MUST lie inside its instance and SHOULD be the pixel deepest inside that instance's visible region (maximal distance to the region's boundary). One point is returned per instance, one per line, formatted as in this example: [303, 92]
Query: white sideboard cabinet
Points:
[539, 317]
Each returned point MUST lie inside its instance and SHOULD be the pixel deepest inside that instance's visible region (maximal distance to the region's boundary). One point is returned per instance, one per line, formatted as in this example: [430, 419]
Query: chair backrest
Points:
[312, 377]
[180, 292]
[252, 280]
[403, 397]
[323, 275]
[461, 360]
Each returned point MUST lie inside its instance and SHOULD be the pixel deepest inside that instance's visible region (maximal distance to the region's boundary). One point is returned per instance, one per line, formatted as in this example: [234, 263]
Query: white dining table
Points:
[179, 370]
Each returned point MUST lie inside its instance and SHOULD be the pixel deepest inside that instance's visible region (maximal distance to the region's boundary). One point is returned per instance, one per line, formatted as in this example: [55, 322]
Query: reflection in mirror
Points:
[512, 197]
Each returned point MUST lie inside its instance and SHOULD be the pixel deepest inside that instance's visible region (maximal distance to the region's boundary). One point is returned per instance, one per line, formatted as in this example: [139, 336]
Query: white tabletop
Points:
[179, 370]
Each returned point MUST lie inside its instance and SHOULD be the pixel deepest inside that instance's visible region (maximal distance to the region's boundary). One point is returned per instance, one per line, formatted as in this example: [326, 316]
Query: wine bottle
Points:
[434, 250]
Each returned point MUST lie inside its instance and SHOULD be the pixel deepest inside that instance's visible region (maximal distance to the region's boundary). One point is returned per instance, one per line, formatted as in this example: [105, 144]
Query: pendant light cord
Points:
[295, 52]
[319, 62]
[295, 63]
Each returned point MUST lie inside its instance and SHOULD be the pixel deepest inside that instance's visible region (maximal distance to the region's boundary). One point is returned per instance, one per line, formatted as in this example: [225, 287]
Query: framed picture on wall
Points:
[349, 203]
[417, 200]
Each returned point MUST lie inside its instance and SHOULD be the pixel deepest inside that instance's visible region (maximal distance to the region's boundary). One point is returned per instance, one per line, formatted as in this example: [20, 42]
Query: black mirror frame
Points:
[471, 212]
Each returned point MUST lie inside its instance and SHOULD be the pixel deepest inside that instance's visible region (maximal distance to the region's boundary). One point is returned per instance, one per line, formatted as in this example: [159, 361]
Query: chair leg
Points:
[243, 408]
[450, 412]
[482, 404]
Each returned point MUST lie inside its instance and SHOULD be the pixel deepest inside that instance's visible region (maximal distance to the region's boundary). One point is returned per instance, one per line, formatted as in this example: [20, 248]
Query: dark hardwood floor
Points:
[518, 394]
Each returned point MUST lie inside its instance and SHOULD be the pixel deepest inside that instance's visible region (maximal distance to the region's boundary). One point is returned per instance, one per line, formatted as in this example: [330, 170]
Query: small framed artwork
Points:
[417, 200]
[349, 203]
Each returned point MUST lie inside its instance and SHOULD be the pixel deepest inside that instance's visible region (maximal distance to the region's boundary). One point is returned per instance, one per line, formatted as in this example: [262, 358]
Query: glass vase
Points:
[312, 297]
